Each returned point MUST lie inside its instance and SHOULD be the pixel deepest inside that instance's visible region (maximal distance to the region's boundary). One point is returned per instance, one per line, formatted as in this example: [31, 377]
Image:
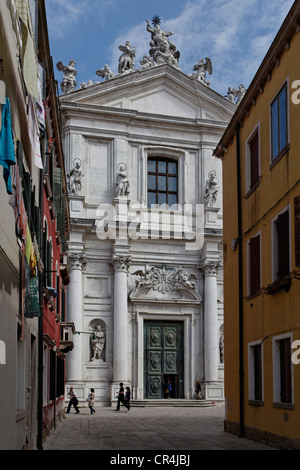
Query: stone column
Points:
[75, 315]
[211, 342]
[120, 363]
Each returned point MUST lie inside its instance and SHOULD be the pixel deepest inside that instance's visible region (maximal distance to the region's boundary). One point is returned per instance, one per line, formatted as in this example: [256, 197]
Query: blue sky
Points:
[234, 34]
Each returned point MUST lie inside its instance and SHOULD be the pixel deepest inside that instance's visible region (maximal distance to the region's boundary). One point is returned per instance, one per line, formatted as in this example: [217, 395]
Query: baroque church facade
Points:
[145, 248]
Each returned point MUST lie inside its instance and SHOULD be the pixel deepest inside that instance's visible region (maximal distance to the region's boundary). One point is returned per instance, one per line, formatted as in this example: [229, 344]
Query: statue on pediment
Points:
[201, 68]
[105, 73]
[162, 50]
[235, 95]
[126, 60]
[146, 62]
[69, 82]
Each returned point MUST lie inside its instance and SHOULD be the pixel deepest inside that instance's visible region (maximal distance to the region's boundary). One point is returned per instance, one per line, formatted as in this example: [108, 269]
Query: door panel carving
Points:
[163, 358]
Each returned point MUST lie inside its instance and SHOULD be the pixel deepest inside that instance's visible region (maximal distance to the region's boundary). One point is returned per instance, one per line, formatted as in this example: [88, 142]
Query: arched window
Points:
[162, 181]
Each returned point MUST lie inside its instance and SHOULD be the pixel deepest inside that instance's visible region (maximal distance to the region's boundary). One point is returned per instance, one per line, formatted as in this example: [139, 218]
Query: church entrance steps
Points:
[171, 403]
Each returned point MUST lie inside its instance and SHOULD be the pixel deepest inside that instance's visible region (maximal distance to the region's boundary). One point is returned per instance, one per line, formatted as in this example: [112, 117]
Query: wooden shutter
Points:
[285, 371]
[297, 230]
[254, 264]
[254, 160]
[283, 245]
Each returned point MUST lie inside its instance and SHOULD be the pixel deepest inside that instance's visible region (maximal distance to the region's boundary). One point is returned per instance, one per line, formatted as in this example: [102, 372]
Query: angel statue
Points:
[105, 73]
[69, 83]
[126, 60]
[201, 68]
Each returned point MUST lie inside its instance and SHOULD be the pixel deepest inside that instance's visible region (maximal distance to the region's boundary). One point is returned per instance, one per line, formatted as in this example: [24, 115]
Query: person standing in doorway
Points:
[73, 401]
[170, 389]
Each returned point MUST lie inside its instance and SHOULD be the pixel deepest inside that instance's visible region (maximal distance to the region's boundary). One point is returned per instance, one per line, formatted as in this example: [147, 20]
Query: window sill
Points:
[256, 294]
[289, 406]
[256, 402]
[281, 154]
[253, 188]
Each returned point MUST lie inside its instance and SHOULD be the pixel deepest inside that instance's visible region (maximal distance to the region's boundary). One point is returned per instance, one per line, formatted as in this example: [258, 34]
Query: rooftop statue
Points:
[146, 62]
[162, 50]
[236, 95]
[69, 83]
[105, 72]
[201, 68]
[126, 60]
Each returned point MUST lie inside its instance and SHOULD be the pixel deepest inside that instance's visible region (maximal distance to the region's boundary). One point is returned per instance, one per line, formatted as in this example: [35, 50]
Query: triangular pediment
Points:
[162, 90]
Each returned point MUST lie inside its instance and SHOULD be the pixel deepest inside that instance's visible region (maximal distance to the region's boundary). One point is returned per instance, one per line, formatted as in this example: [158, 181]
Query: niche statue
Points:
[98, 343]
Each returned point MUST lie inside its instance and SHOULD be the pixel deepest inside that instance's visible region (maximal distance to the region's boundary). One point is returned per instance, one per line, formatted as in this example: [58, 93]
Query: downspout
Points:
[240, 271]
[40, 324]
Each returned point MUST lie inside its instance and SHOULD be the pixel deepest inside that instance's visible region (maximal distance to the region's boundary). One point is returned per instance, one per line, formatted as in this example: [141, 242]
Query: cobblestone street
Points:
[177, 429]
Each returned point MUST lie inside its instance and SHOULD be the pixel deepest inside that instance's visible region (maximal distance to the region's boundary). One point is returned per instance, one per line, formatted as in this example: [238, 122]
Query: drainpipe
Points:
[240, 270]
[40, 324]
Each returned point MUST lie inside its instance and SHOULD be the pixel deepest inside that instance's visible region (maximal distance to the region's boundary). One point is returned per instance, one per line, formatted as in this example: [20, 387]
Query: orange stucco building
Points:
[260, 151]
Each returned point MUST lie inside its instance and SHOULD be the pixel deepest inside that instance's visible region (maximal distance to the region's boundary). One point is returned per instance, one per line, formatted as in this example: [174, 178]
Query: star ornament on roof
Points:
[156, 20]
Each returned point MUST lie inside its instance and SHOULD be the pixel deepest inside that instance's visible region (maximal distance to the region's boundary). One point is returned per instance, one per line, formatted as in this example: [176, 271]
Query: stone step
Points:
[171, 402]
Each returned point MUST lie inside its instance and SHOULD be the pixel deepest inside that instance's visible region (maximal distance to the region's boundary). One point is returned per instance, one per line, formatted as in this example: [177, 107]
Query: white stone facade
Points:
[155, 291]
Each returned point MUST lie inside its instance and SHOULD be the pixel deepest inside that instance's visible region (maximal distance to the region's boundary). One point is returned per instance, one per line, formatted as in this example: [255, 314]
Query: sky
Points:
[234, 34]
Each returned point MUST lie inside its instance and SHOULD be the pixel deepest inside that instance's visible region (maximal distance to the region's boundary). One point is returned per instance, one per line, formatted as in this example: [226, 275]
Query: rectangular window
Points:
[255, 372]
[282, 367]
[162, 182]
[281, 245]
[279, 123]
[254, 283]
[252, 160]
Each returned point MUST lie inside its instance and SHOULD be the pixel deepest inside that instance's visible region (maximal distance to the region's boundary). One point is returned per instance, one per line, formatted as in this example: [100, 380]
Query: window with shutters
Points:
[162, 181]
[282, 369]
[281, 245]
[279, 124]
[252, 160]
[254, 265]
[255, 359]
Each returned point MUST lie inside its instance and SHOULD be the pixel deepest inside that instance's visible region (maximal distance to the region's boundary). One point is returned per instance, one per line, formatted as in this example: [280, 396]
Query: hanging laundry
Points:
[34, 134]
[7, 148]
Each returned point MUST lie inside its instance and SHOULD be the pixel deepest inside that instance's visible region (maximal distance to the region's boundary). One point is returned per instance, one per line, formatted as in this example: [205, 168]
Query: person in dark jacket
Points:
[121, 397]
[127, 398]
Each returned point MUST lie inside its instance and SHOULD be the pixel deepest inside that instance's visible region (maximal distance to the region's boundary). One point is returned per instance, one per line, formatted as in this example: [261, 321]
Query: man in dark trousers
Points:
[120, 397]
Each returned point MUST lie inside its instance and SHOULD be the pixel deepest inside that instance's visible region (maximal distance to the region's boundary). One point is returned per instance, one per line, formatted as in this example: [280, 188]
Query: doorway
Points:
[163, 359]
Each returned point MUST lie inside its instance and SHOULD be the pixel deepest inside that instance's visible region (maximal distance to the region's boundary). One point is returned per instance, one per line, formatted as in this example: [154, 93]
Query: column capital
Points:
[120, 263]
[209, 267]
[77, 261]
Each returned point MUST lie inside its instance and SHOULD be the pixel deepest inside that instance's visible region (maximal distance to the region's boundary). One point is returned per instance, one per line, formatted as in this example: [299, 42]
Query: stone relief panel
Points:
[165, 282]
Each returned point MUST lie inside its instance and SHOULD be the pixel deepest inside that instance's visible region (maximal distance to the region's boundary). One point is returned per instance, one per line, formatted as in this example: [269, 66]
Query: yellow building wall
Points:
[264, 316]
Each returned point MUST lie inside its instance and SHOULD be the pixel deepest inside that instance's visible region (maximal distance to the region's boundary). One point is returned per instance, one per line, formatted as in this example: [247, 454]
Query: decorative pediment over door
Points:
[165, 284]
